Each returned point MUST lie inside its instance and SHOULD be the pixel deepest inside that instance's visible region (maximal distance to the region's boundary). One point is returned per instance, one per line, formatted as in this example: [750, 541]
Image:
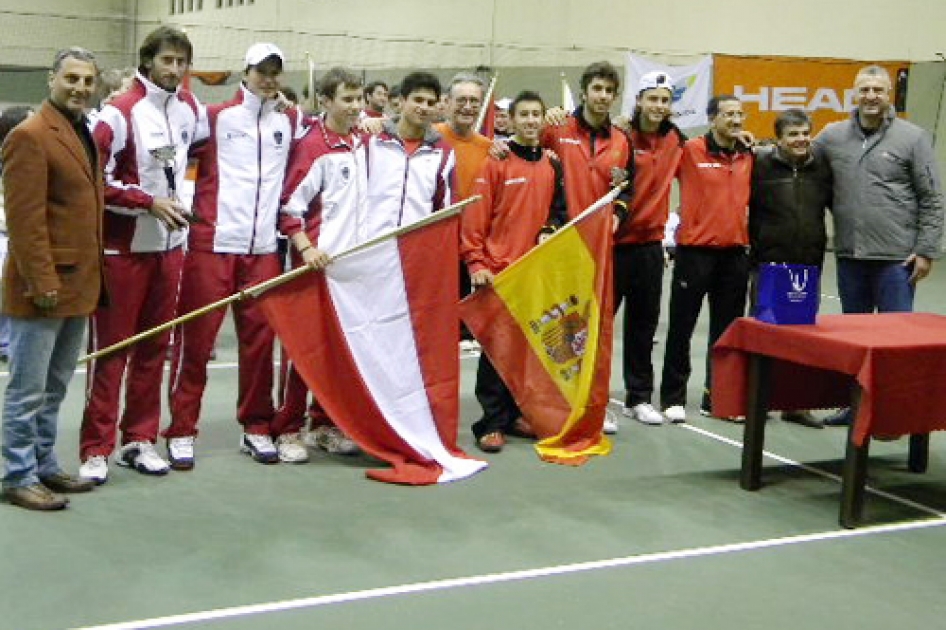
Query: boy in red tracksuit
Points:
[712, 247]
[323, 211]
[595, 154]
[522, 198]
[638, 247]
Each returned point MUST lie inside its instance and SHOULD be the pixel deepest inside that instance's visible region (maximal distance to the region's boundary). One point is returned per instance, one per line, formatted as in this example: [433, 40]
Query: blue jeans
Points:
[867, 286]
[43, 354]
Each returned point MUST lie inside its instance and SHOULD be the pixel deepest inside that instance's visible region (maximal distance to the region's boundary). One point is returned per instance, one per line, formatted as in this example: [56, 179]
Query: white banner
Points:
[692, 88]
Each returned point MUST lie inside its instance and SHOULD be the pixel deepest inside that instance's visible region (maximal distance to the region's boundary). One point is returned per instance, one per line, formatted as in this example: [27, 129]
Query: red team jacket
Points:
[714, 195]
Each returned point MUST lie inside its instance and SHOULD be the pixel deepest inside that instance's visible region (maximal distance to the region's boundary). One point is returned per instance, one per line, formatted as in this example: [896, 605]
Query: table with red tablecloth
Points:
[891, 367]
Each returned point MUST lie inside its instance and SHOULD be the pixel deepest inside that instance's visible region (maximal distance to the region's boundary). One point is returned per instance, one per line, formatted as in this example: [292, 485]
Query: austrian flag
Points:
[374, 338]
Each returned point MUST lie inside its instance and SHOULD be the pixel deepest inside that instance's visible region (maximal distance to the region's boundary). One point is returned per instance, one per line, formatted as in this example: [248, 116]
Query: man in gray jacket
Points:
[888, 203]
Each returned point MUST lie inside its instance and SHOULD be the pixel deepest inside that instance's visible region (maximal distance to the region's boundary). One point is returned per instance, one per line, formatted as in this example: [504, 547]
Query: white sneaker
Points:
[95, 469]
[181, 452]
[333, 440]
[610, 426]
[470, 346]
[291, 449]
[142, 457]
[259, 447]
[644, 413]
[676, 414]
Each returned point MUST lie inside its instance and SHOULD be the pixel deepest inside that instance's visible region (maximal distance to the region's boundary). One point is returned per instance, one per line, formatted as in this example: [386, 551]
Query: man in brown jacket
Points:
[54, 202]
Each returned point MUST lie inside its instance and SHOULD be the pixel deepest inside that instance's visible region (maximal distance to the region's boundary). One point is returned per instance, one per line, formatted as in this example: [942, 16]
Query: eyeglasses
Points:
[463, 100]
[734, 115]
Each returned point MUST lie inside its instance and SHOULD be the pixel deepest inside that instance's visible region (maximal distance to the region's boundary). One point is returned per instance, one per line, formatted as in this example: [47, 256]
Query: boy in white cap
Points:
[638, 247]
[231, 246]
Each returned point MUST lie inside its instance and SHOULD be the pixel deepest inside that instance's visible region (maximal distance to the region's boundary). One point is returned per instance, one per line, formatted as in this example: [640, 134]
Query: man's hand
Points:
[622, 121]
[315, 257]
[282, 102]
[921, 267]
[556, 117]
[615, 223]
[499, 149]
[747, 138]
[170, 212]
[481, 278]
[47, 300]
[371, 126]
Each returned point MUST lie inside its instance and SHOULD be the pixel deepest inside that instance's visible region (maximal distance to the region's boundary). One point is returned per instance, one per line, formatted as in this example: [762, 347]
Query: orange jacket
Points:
[714, 195]
[592, 159]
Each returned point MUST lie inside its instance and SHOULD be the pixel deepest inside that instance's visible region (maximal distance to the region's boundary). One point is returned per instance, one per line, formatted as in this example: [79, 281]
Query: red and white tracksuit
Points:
[232, 246]
[143, 258]
[406, 187]
[324, 195]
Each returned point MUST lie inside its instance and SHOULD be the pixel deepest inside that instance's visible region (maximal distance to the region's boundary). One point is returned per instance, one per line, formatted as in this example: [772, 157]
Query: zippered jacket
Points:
[787, 209]
[129, 132]
[240, 174]
[522, 196]
[714, 194]
[404, 188]
[656, 160]
[594, 160]
[326, 189]
[888, 200]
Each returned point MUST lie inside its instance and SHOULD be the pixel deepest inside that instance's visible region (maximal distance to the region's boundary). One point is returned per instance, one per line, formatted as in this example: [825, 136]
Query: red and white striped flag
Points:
[374, 338]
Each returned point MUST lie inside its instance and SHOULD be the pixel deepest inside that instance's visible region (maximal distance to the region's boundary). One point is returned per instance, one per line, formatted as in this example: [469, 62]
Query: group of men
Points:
[98, 226]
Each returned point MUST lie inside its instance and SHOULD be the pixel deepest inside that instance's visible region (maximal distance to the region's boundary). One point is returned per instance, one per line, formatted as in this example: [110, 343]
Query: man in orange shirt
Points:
[464, 101]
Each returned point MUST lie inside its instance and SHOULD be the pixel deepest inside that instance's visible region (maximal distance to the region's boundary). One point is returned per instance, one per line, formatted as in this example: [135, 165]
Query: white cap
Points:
[654, 80]
[503, 103]
[259, 52]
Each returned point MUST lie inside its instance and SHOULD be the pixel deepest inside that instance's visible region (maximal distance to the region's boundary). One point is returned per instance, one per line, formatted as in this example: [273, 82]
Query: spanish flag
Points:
[546, 325]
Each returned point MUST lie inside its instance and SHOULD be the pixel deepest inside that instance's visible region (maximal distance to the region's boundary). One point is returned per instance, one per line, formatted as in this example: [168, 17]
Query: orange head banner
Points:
[821, 86]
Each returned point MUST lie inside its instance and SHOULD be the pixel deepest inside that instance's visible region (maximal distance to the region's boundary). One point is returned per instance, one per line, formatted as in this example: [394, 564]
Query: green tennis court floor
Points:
[657, 535]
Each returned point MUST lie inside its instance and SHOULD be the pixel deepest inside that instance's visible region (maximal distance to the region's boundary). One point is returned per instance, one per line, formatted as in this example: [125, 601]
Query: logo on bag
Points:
[799, 279]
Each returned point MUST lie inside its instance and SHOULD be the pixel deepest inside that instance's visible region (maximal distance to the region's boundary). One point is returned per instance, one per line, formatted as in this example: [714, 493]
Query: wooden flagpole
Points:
[272, 283]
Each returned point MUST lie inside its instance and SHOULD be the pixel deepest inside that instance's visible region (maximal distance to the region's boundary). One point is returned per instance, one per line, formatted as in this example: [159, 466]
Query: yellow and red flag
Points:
[546, 324]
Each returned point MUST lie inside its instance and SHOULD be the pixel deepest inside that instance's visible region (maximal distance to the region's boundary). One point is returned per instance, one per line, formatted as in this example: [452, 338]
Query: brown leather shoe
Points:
[35, 497]
[67, 484]
[521, 428]
[491, 442]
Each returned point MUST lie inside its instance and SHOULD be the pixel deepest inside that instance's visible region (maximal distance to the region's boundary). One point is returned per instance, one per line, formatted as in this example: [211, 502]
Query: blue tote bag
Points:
[788, 294]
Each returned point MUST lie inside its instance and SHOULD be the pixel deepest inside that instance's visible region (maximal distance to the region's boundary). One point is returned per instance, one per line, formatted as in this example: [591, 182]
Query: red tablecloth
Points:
[898, 359]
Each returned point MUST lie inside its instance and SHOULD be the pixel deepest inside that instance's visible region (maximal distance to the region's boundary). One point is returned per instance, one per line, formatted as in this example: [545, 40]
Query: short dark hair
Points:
[420, 81]
[290, 93]
[163, 36]
[525, 96]
[328, 84]
[789, 118]
[712, 108]
[371, 87]
[73, 52]
[11, 117]
[394, 90]
[600, 70]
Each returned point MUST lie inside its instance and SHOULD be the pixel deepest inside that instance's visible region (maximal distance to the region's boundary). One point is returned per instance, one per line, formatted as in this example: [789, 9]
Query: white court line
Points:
[811, 469]
[511, 576]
